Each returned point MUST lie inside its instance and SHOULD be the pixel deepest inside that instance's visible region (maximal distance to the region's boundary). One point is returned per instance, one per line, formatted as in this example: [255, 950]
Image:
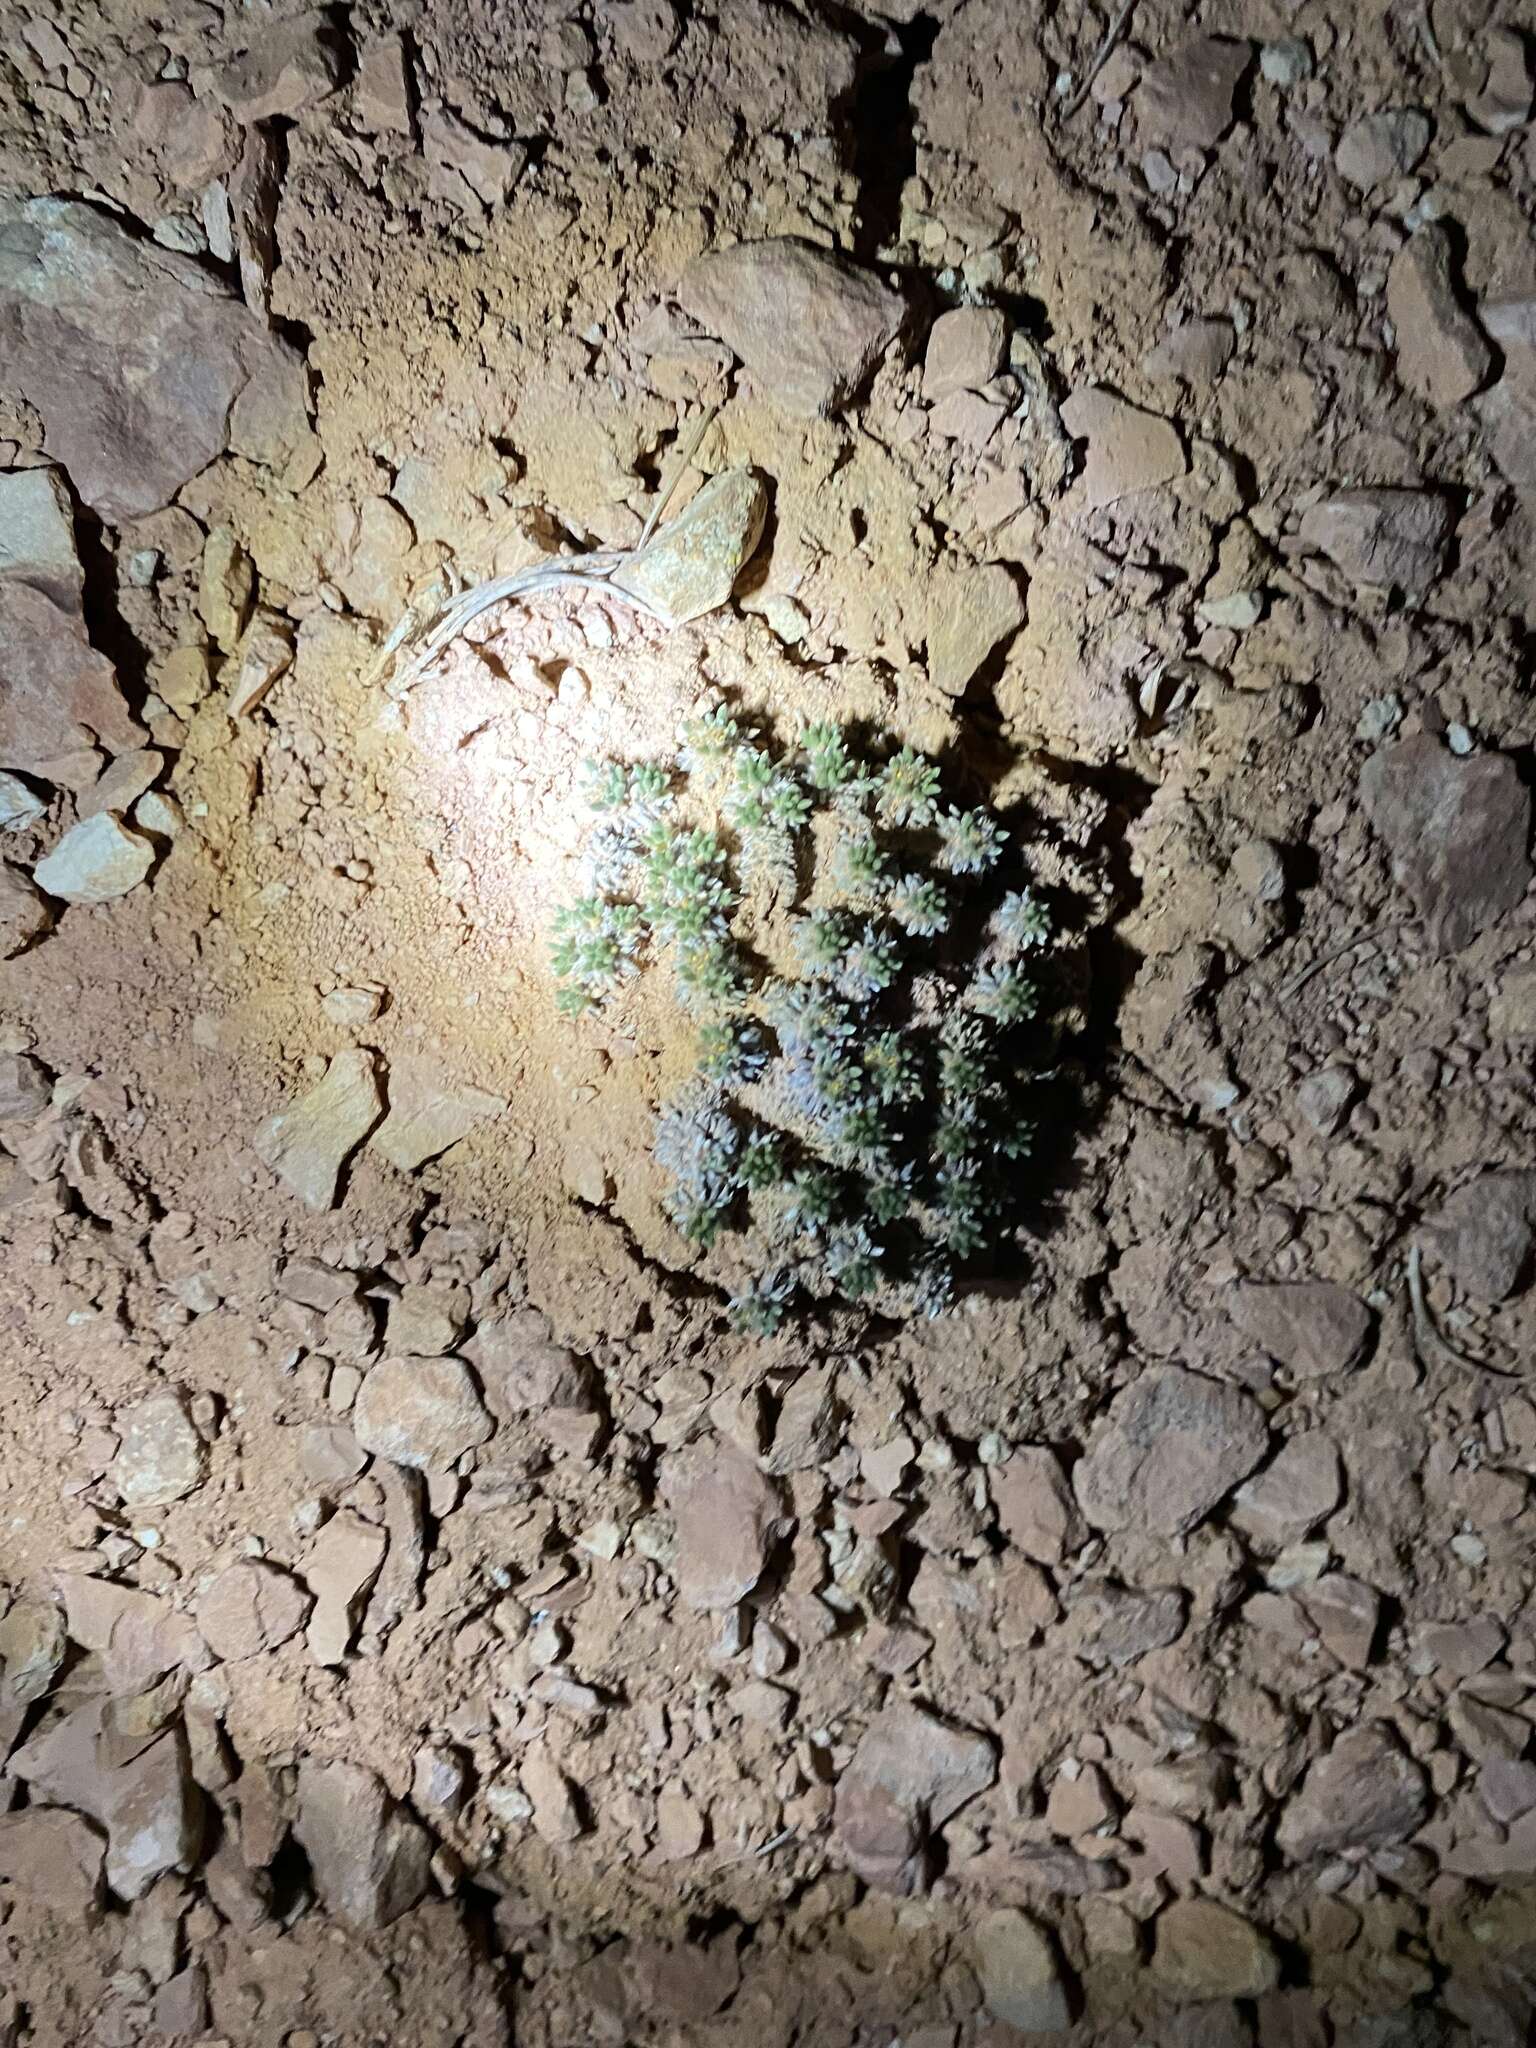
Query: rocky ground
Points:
[421, 1618]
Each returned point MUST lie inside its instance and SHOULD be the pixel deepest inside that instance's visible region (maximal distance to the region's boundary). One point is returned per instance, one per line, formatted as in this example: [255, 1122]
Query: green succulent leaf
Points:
[909, 789]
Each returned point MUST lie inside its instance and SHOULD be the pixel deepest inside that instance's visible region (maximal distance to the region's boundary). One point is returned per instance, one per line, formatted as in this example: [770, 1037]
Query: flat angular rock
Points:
[1364, 1794]
[307, 1144]
[1315, 1328]
[55, 1857]
[1382, 146]
[381, 92]
[330, 1454]
[728, 1515]
[138, 359]
[369, 1859]
[180, 2007]
[429, 1111]
[160, 1456]
[289, 66]
[155, 1821]
[809, 326]
[465, 170]
[20, 806]
[420, 1412]
[810, 1423]
[1460, 1649]
[1184, 100]
[1441, 354]
[1034, 1503]
[96, 861]
[1115, 1625]
[122, 784]
[59, 690]
[1507, 1788]
[1512, 1004]
[1381, 538]
[32, 1647]
[1507, 412]
[37, 535]
[1196, 352]
[1347, 1616]
[1287, 1500]
[425, 1321]
[1128, 450]
[342, 1564]
[1021, 1976]
[910, 1773]
[25, 1087]
[250, 1608]
[689, 567]
[971, 611]
[24, 911]
[148, 1804]
[1324, 1097]
[1485, 1233]
[523, 1371]
[1205, 1950]
[138, 1636]
[966, 349]
[1503, 102]
[556, 1816]
[1173, 1445]
[1458, 829]
[264, 655]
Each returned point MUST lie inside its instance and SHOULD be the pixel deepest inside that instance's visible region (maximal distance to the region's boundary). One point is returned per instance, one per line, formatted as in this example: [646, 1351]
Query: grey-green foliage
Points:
[853, 1121]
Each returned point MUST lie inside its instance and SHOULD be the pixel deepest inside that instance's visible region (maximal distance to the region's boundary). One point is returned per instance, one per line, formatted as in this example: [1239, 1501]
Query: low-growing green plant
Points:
[860, 1070]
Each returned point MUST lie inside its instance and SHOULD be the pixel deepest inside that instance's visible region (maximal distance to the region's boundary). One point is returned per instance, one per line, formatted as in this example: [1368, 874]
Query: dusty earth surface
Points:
[421, 1619]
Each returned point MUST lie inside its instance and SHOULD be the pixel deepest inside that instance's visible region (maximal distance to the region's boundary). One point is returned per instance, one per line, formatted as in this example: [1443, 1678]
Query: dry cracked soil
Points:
[422, 1617]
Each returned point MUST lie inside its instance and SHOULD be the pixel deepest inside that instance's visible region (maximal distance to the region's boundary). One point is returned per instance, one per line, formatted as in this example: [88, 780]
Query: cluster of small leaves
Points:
[857, 1140]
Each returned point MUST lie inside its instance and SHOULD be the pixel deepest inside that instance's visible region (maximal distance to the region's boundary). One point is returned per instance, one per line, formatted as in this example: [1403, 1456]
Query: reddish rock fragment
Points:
[910, 1774]
[728, 1518]
[1441, 354]
[1485, 1233]
[1365, 1793]
[808, 325]
[1173, 1444]
[1380, 538]
[420, 1412]
[55, 1857]
[1129, 450]
[342, 1564]
[1315, 1328]
[1034, 1503]
[1116, 1625]
[1458, 830]
[58, 689]
[1288, 1499]
[288, 66]
[370, 1860]
[1184, 100]
[138, 359]
[966, 349]
[250, 1608]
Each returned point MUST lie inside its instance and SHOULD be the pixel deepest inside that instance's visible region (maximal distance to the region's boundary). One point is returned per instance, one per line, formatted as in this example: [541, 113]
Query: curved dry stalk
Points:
[591, 571]
[1117, 28]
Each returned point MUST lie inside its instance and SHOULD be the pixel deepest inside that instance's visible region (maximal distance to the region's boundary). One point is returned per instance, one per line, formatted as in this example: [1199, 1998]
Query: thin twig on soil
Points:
[665, 496]
[1340, 952]
[1112, 35]
[590, 571]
